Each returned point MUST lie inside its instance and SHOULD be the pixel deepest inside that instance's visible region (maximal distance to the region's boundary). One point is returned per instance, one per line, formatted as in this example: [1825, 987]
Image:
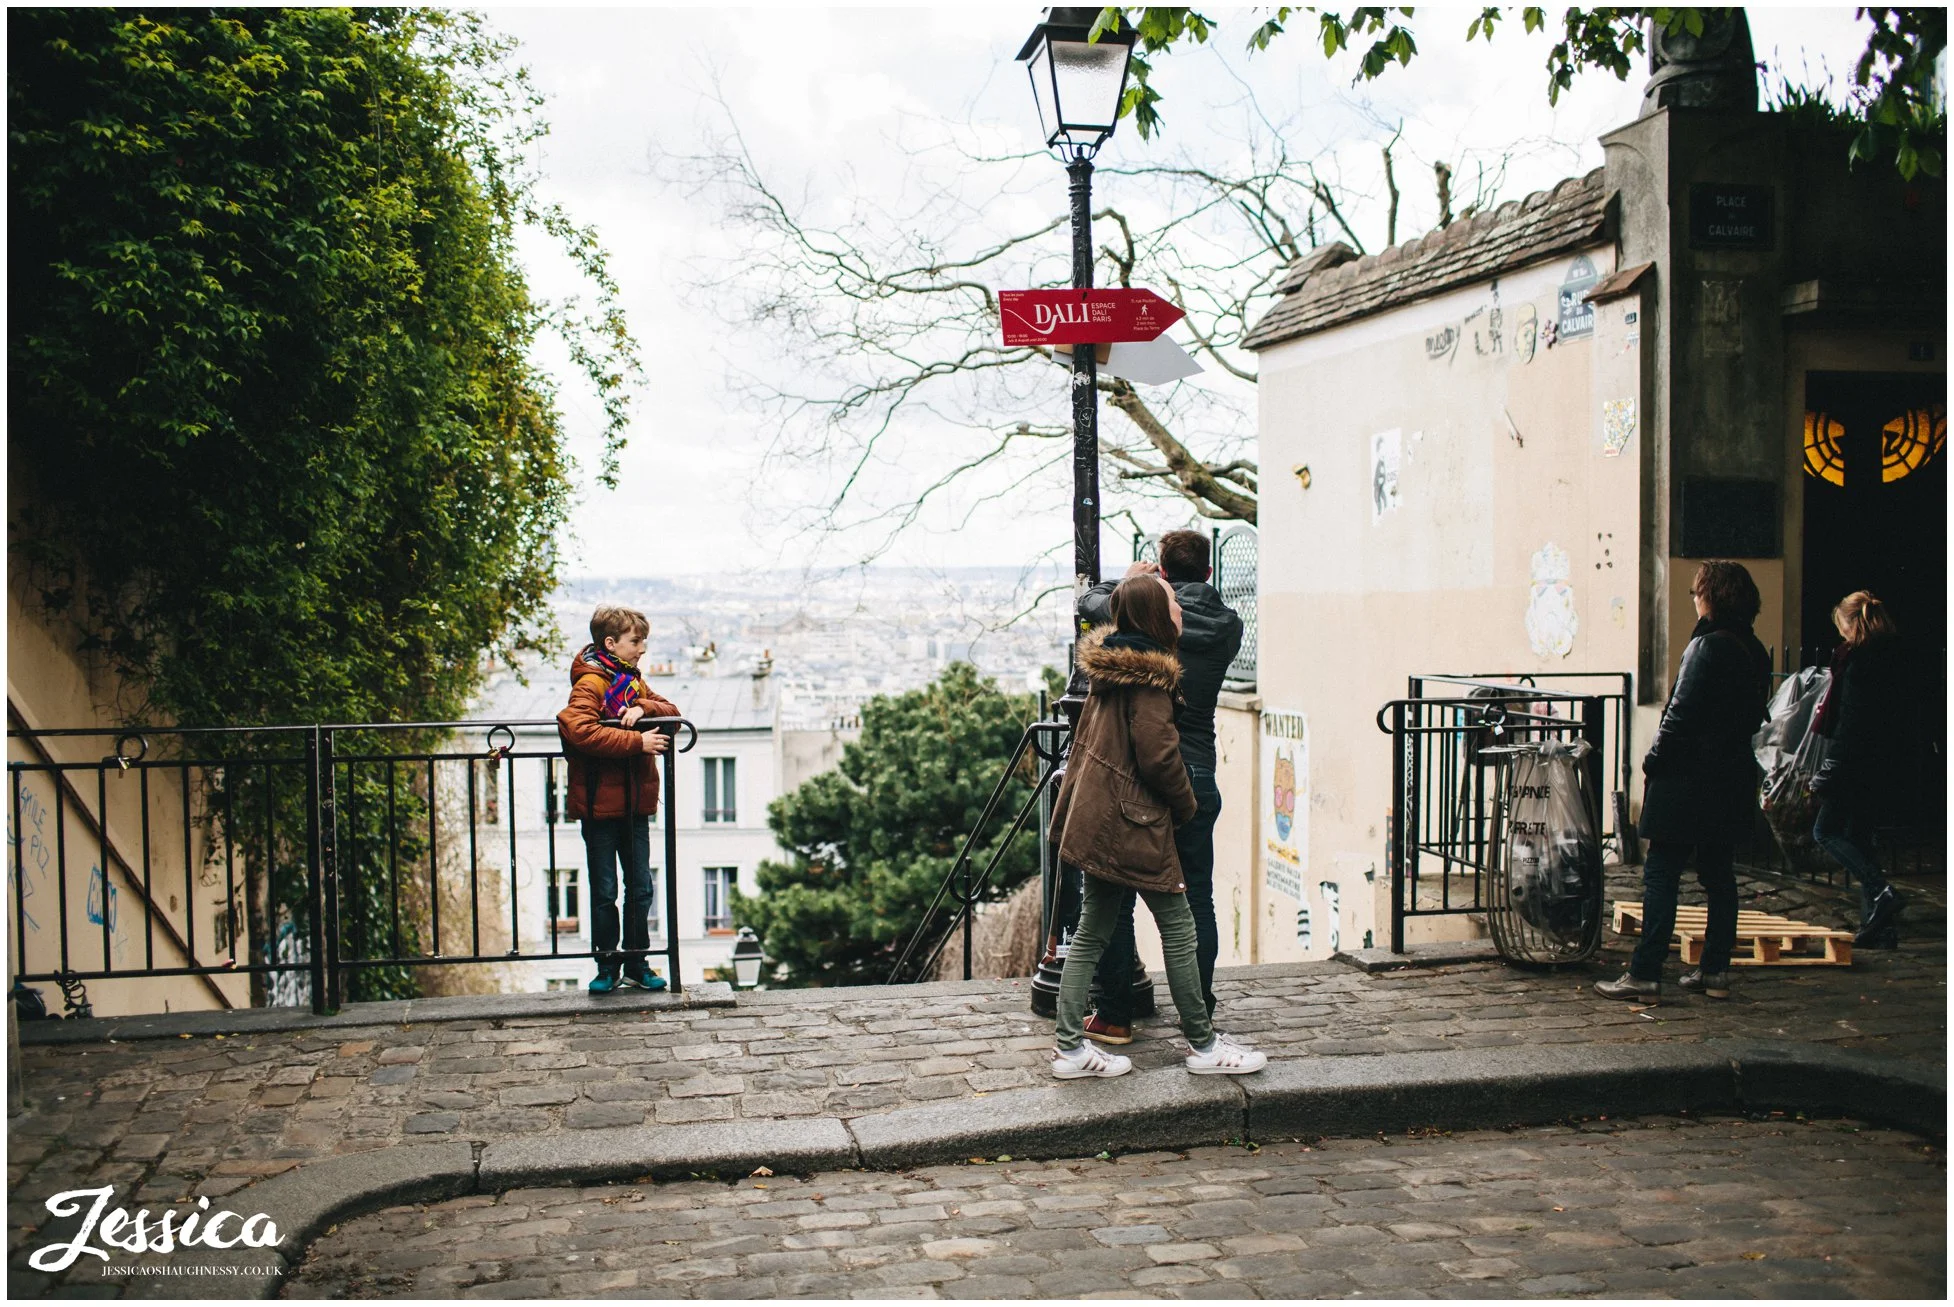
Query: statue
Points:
[1717, 70]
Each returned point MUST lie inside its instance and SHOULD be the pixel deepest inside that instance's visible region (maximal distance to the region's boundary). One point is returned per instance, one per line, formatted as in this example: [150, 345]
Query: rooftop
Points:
[1333, 284]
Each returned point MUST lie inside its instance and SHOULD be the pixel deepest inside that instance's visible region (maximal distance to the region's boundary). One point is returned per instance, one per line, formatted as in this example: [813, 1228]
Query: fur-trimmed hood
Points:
[1154, 669]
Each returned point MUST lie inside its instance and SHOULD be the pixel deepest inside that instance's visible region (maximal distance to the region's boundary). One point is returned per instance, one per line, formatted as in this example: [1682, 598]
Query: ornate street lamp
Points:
[1078, 84]
[747, 957]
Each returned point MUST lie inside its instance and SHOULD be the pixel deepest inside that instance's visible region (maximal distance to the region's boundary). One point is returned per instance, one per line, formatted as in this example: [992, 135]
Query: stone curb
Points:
[466, 1007]
[1481, 1088]
[1452, 953]
[729, 1149]
[1135, 1112]
[1165, 1109]
[308, 1200]
[1817, 1079]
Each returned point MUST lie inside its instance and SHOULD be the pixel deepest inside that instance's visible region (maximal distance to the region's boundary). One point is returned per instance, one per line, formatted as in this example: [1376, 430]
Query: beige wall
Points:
[1238, 904]
[49, 686]
[1502, 455]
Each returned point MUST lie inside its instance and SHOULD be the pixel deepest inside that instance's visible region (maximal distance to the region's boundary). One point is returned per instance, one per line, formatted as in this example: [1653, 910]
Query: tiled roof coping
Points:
[1332, 284]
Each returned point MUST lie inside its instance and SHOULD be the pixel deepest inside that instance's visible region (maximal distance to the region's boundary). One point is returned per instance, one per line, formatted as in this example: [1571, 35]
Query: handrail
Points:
[967, 897]
[320, 843]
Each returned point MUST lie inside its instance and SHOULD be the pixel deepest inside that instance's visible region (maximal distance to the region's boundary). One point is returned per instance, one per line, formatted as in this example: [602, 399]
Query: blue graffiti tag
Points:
[96, 884]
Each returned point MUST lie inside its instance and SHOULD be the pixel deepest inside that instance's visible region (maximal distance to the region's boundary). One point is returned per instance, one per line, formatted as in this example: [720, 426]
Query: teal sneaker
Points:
[604, 983]
[646, 979]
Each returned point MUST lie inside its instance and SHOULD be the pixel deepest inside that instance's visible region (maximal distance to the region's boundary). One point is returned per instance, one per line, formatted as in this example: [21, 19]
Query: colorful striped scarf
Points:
[626, 685]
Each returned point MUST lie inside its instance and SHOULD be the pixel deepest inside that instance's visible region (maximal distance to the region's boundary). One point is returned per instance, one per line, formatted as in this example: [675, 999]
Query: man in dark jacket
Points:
[1211, 636]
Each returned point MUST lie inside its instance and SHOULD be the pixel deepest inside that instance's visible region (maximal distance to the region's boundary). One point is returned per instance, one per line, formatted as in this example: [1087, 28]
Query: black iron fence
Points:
[1237, 578]
[1449, 757]
[318, 862]
[964, 886]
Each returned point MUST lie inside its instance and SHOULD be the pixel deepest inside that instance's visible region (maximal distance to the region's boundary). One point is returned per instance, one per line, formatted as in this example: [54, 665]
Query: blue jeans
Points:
[625, 840]
[1847, 834]
[1194, 842]
[1098, 911]
[1662, 876]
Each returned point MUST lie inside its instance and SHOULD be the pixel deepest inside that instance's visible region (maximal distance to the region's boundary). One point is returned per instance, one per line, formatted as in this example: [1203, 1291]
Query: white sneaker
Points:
[1088, 1059]
[1224, 1058]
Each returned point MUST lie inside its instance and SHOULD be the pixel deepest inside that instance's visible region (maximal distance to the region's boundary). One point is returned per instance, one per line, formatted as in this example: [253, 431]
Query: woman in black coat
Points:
[1862, 716]
[1699, 793]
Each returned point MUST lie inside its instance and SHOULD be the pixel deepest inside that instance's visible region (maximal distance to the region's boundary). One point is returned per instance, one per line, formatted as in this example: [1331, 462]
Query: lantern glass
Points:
[1089, 78]
[1077, 84]
[747, 971]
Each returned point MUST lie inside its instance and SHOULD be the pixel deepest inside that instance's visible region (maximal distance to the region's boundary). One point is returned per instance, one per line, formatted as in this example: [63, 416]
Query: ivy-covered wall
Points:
[276, 444]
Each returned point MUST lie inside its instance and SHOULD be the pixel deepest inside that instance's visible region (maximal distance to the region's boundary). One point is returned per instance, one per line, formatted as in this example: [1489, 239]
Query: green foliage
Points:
[277, 443]
[1904, 115]
[277, 447]
[1900, 116]
[873, 839]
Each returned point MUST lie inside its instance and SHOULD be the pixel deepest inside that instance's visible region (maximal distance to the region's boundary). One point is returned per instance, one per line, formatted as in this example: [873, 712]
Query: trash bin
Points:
[1544, 896]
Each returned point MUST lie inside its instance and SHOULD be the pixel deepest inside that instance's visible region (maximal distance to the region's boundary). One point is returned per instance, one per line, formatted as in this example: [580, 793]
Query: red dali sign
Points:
[1083, 317]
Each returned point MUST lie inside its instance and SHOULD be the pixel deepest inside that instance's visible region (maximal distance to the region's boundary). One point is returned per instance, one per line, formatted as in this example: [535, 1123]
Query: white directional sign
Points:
[1148, 362]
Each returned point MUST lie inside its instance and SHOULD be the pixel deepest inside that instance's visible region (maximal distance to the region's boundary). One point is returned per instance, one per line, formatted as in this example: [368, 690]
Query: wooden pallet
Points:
[1774, 941]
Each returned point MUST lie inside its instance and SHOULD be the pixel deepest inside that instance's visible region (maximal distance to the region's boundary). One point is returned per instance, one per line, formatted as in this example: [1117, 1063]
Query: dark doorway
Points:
[1876, 502]
[1876, 519]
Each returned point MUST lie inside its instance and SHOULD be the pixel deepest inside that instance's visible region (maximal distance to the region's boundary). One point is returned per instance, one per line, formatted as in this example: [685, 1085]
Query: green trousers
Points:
[1098, 915]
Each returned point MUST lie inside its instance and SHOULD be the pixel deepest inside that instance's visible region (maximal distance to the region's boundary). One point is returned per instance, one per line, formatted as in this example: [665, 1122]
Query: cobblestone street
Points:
[1654, 1207]
[172, 1119]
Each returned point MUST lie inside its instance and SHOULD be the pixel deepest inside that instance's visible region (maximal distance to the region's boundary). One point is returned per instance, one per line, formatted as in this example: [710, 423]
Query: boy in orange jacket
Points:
[613, 787]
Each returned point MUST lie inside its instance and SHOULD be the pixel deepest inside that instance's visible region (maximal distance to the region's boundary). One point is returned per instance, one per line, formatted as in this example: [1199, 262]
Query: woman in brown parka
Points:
[1125, 790]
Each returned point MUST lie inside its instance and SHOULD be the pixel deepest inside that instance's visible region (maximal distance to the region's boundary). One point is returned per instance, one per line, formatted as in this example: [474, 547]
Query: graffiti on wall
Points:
[1526, 332]
[1551, 620]
[1333, 914]
[29, 844]
[1387, 458]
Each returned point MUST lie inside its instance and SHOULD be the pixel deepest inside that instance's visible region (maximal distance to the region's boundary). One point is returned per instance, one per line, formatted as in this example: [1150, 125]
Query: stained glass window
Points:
[1823, 457]
[1908, 442]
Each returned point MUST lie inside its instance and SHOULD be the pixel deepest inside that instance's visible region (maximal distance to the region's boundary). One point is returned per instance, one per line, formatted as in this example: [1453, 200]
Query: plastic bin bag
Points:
[1552, 873]
[1790, 753]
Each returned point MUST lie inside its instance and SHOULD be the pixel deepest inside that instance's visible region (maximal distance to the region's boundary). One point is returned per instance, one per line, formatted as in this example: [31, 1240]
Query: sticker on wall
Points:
[1333, 909]
[1285, 800]
[1387, 455]
[1618, 611]
[1526, 332]
[1617, 426]
[1551, 622]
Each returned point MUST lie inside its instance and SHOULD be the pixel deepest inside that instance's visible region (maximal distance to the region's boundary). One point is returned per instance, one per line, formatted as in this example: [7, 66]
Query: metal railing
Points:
[1044, 739]
[1446, 760]
[1236, 579]
[331, 853]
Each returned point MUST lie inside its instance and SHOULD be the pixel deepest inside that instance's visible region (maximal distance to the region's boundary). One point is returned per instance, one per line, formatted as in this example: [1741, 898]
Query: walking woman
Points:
[1699, 793]
[1125, 790]
[1862, 715]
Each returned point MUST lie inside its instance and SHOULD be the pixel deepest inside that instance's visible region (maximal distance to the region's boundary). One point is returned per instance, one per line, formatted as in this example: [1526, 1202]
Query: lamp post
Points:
[1077, 84]
[747, 957]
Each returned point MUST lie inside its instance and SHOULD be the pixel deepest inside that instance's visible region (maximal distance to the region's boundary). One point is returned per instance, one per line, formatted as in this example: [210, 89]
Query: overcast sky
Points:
[822, 98]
